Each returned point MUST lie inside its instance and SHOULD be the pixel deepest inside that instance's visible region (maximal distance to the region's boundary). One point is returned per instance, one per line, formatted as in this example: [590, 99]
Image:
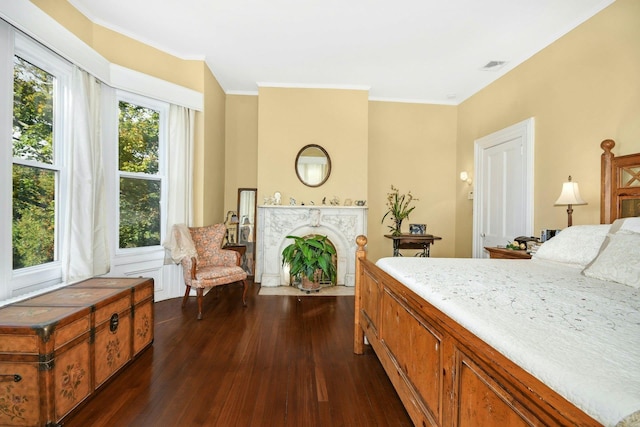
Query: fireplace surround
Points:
[341, 224]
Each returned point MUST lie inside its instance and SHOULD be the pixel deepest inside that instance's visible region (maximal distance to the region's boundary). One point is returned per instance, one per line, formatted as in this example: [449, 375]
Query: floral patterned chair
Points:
[213, 266]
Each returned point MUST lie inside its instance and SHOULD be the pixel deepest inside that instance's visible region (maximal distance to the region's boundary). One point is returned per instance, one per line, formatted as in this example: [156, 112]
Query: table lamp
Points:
[570, 196]
[232, 219]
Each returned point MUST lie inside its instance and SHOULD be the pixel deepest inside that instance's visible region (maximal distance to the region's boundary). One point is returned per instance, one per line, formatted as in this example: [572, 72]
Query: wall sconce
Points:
[570, 196]
[464, 176]
[231, 220]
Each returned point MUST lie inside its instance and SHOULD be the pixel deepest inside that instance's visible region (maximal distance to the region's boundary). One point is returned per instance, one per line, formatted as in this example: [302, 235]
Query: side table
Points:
[504, 253]
[241, 249]
[412, 241]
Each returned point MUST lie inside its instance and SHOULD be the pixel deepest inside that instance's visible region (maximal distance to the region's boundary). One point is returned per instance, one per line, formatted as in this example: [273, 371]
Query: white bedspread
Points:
[578, 335]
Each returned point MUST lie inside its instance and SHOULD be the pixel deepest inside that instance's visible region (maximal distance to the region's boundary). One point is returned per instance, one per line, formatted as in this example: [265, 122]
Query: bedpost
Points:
[358, 332]
[606, 198]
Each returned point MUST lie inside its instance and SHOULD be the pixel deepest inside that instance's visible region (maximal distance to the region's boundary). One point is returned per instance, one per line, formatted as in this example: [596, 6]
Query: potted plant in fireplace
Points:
[310, 258]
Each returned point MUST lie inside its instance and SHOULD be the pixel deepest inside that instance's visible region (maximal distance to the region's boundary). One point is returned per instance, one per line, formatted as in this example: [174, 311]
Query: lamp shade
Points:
[232, 217]
[570, 194]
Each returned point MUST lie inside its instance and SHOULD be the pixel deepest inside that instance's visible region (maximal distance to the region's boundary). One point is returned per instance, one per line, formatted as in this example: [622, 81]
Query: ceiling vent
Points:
[493, 65]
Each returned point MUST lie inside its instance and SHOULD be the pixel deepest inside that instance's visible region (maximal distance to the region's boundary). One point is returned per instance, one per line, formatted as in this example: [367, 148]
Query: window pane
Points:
[33, 229]
[139, 212]
[32, 112]
[138, 139]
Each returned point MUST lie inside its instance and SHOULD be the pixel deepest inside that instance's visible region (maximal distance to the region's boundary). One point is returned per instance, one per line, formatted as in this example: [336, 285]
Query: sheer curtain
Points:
[180, 165]
[85, 249]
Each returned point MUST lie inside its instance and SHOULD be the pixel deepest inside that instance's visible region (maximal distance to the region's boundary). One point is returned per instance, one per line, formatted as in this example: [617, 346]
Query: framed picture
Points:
[417, 228]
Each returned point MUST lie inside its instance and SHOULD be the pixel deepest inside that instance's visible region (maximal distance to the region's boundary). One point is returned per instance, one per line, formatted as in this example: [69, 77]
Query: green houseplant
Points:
[310, 258]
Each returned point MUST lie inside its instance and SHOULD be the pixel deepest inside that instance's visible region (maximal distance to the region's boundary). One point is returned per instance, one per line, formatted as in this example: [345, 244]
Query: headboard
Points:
[620, 184]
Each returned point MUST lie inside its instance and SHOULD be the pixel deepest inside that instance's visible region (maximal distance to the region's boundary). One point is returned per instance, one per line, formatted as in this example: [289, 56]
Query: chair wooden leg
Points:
[186, 296]
[200, 292]
[245, 286]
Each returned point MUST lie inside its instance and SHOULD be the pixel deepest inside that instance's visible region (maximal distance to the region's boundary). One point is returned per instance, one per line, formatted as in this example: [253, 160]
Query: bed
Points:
[550, 341]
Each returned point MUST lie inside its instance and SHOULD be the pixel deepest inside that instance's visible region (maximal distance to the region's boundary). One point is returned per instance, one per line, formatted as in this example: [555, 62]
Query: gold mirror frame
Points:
[313, 160]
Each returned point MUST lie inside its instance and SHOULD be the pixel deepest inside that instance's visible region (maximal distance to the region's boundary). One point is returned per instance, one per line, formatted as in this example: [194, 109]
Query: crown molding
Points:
[313, 86]
[242, 92]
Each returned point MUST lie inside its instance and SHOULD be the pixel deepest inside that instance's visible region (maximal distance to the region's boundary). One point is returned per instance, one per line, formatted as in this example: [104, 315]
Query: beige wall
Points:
[290, 118]
[125, 51]
[241, 146]
[412, 146]
[67, 15]
[122, 50]
[213, 156]
[582, 89]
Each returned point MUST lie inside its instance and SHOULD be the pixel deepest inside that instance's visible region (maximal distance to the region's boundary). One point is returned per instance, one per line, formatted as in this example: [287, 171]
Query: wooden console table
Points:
[412, 241]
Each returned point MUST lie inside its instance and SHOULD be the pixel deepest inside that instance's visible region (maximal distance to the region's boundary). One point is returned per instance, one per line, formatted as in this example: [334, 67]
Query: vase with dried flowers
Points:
[398, 208]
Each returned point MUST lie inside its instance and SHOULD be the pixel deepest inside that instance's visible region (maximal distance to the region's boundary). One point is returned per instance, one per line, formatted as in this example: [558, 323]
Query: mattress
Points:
[578, 335]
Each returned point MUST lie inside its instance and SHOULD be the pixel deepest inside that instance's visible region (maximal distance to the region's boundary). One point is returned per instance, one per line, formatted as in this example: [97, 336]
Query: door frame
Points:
[525, 130]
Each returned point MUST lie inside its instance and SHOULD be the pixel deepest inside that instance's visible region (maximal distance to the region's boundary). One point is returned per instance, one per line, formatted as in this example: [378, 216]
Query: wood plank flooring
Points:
[281, 361]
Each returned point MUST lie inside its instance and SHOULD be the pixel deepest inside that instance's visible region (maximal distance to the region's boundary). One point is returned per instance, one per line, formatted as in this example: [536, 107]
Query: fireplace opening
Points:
[325, 281]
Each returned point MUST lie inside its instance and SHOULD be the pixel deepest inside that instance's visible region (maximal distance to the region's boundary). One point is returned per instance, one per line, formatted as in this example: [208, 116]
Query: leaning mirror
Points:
[313, 165]
[246, 226]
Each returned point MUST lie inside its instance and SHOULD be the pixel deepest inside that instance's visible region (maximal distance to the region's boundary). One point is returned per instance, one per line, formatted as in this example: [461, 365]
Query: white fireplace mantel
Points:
[341, 224]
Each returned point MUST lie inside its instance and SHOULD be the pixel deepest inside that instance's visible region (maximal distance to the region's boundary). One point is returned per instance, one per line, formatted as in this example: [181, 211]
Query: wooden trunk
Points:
[57, 348]
[141, 291]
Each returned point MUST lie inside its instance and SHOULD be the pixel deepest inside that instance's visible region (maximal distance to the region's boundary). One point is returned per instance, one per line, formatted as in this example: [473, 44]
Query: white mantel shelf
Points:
[341, 224]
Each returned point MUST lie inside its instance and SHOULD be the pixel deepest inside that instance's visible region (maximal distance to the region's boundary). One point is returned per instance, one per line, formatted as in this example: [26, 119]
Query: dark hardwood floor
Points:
[281, 361]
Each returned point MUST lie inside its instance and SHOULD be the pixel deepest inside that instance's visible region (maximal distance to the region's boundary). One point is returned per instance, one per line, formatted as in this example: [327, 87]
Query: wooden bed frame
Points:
[445, 375]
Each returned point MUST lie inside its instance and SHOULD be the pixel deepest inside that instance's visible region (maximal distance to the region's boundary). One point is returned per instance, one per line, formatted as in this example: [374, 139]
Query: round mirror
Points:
[313, 165]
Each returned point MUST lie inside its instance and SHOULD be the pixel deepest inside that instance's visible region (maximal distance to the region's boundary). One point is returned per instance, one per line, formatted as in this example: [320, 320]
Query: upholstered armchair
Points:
[211, 266]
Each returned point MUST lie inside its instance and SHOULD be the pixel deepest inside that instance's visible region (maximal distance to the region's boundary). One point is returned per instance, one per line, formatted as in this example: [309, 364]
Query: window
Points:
[141, 134]
[35, 172]
[38, 173]
[39, 95]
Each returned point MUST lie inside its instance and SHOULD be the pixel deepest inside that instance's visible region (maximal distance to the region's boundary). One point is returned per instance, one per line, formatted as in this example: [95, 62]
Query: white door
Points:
[503, 203]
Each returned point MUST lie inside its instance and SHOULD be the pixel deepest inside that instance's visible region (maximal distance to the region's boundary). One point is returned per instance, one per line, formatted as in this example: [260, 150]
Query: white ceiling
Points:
[406, 50]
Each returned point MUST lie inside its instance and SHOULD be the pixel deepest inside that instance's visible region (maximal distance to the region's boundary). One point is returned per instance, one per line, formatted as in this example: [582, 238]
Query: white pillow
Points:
[629, 224]
[619, 260]
[576, 246]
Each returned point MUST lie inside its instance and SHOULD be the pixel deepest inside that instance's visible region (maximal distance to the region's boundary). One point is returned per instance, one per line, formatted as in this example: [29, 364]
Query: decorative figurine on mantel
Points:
[398, 209]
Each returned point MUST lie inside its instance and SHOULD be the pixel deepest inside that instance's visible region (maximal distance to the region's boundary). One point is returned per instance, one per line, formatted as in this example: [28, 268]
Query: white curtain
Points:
[86, 248]
[180, 199]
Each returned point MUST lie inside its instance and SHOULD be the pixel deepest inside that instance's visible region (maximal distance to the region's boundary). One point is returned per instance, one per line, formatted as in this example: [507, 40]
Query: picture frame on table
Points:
[417, 228]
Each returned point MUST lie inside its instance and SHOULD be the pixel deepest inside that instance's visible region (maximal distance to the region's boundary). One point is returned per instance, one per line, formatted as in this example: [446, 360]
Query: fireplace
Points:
[341, 224]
